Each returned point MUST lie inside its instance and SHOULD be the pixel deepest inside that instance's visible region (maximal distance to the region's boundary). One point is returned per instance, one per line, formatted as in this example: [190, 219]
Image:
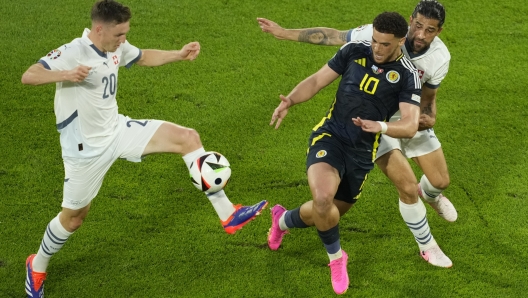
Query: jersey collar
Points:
[87, 40]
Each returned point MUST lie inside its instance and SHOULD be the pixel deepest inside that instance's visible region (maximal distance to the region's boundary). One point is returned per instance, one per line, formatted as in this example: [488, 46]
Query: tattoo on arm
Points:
[315, 36]
[343, 35]
[427, 110]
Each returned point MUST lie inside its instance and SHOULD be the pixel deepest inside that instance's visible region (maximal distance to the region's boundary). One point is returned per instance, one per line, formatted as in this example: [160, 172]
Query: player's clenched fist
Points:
[190, 51]
[78, 74]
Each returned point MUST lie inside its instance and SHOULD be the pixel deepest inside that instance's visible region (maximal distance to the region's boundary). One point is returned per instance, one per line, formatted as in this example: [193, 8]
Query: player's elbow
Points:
[411, 131]
[28, 79]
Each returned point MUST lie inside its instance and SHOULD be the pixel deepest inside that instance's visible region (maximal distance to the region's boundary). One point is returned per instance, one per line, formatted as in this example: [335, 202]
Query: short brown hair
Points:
[109, 11]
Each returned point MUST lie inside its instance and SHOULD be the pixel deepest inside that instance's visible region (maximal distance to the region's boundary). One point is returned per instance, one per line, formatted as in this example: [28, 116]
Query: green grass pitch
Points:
[150, 233]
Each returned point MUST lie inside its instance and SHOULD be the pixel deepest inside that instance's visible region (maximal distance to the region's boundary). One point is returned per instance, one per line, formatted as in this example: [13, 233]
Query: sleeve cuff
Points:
[46, 66]
[135, 59]
[431, 86]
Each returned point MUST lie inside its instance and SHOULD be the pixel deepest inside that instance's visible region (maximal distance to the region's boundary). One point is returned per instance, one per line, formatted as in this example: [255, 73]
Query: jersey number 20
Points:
[110, 85]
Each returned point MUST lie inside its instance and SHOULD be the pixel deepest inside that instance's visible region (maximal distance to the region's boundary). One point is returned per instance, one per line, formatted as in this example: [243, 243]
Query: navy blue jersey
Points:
[367, 90]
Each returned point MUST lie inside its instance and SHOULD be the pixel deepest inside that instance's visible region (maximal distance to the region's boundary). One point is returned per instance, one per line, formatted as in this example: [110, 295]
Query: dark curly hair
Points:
[109, 11]
[391, 23]
[431, 9]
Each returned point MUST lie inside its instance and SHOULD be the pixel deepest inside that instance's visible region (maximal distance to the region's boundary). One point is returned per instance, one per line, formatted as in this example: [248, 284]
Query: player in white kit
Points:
[431, 57]
[93, 134]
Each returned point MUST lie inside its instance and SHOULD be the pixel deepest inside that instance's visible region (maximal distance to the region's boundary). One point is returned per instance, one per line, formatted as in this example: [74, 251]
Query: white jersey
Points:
[86, 112]
[432, 65]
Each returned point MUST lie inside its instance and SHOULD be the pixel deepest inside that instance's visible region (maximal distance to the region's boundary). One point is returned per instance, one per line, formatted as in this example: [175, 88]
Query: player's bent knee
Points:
[71, 224]
[322, 204]
[441, 183]
[408, 192]
[191, 140]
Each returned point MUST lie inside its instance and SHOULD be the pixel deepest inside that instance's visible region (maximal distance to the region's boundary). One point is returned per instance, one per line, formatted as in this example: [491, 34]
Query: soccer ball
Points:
[210, 172]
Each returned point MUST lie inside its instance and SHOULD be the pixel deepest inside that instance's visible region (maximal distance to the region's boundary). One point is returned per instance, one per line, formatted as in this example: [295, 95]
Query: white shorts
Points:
[84, 176]
[422, 143]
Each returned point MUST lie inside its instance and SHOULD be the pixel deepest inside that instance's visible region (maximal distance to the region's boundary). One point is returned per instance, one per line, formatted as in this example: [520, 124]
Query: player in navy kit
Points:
[376, 81]
[431, 57]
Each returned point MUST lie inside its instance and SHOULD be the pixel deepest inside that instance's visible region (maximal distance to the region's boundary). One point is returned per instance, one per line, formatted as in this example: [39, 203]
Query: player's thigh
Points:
[325, 165]
[434, 167]
[134, 137]
[173, 138]
[396, 167]
[323, 180]
[83, 178]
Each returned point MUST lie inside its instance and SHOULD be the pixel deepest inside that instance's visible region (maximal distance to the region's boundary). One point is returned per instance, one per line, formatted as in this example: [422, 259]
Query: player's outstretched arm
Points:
[317, 35]
[38, 75]
[303, 92]
[427, 108]
[158, 57]
[405, 128]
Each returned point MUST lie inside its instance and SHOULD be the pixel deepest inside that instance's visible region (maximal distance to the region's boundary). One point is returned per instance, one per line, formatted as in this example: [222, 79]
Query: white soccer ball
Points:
[210, 172]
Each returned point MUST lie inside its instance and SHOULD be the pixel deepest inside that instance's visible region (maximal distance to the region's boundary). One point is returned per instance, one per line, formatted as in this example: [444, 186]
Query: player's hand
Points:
[270, 27]
[78, 74]
[426, 122]
[190, 51]
[281, 111]
[367, 125]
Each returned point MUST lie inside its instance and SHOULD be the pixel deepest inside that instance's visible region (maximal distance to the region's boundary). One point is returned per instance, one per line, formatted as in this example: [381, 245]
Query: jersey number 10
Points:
[369, 82]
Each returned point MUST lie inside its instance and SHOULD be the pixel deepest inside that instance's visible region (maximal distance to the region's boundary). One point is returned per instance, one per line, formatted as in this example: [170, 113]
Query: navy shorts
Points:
[353, 169]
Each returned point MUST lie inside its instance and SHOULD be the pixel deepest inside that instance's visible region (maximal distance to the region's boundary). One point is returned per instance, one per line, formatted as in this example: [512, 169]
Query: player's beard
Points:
[420, 47]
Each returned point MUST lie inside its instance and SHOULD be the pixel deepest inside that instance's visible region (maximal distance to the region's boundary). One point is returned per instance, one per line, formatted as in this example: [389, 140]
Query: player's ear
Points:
[401, 42]
[439, 30]
[98, 27]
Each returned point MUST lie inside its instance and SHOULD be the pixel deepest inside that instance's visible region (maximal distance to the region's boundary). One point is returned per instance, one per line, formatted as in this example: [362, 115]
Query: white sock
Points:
[282, 222]
[415, 216]
[190, 157]
[53, 240]
[429, 192]
[222, 205]
[337, 255]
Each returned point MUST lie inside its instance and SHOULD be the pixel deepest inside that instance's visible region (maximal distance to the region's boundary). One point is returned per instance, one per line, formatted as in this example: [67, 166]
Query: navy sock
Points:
[330, 239]
[292, 218]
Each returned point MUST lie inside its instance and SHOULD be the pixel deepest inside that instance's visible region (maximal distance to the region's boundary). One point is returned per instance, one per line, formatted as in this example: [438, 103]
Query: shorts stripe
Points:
[314, 140]
[361, 187]
[328, 116]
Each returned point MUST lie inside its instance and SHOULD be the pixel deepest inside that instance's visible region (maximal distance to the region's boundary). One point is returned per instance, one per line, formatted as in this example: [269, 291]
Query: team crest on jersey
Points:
[376, 69]
[393, 76]
[421, 73]
[54, 54]
[320, 153]
[116, 60]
